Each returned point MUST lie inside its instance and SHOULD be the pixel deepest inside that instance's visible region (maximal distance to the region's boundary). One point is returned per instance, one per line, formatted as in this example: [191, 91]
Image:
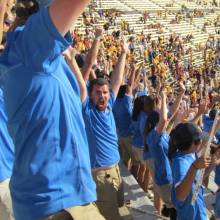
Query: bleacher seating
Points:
[132, 11]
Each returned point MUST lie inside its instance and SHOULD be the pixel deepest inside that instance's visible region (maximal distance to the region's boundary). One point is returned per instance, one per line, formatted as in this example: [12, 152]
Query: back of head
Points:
[149, 103]
[122, 91]
[151, 122]
[182, 138]
[138, 107]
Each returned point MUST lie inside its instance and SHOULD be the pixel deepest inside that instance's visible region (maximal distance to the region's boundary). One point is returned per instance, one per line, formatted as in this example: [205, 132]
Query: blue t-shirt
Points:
[122, 112]
[185, 210]
[101, 133]
[6, 145]
[52, 168]
[217, 175]
[158, 145]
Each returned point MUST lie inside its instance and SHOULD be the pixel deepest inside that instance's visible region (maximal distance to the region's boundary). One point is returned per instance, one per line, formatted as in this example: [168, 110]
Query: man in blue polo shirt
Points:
[103, 141]
[52, 177]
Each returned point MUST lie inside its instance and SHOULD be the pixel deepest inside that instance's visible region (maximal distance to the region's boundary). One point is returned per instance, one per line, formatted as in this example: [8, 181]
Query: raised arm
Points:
[69, 54]
[131, 79]
[137, 77]
[65, 13]
[183, 189]
[3, 4]
[203, 109]
[176, 104]
[92, 54]
[117, 75]
[163, 113]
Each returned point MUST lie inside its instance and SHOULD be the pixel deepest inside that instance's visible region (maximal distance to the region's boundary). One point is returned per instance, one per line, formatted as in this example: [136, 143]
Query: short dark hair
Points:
[138, 107]
[183, 136]
[98, 81]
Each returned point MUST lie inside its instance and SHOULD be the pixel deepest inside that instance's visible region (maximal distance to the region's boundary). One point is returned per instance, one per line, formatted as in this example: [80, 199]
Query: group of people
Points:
[70, 111]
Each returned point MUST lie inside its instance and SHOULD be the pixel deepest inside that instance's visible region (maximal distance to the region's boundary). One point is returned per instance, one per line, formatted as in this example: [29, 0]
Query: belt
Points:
[104, 168]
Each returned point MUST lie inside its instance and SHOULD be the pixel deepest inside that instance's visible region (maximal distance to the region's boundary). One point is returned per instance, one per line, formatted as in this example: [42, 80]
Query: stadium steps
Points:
[139, 205]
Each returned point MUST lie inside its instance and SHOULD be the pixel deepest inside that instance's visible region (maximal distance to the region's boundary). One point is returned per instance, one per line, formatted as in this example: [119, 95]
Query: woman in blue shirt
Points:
[156, 143]
[185, 143]
[137, 141]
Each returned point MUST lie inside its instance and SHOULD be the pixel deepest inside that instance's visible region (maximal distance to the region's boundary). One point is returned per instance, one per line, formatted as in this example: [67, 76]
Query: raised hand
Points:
[203, 108]
[124, 46]
[202, 162]
[182, 88]
[99, 33]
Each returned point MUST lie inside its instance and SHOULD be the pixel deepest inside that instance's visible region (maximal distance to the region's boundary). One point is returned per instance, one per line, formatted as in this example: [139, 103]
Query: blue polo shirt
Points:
[122, 112]
[6, 145]
[185, 210]
[52, 168]
[158, 145]
[101, 133]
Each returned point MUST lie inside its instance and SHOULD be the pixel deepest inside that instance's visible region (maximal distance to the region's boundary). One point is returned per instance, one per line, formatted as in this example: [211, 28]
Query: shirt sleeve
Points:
[39, 43]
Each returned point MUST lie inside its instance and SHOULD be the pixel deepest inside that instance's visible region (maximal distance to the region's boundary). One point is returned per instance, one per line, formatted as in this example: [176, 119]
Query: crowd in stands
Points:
[73, 105]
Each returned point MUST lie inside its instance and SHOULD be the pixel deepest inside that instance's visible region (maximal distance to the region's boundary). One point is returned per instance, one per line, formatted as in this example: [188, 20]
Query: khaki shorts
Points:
[6, 212]
[110, 192]
[84, 212]
[164, 191]
[137, 156]
[126, 150]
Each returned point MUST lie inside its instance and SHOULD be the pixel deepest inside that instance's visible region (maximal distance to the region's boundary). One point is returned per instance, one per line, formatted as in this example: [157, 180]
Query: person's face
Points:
[100, 96]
